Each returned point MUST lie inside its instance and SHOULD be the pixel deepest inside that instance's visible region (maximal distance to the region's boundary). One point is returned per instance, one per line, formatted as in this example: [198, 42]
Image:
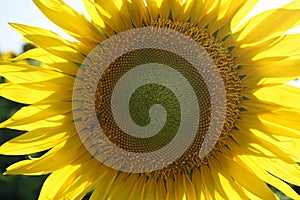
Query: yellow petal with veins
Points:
[115, 14]
[49, 61]
[36, 140]
[246, 179]
[45, 164]
[61, 178]
[50, 41]
[104, 185]
[255, 30]
[71, 21]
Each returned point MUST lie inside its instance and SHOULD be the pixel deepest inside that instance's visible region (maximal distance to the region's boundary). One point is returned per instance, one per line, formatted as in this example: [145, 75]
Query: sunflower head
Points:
[166, 99]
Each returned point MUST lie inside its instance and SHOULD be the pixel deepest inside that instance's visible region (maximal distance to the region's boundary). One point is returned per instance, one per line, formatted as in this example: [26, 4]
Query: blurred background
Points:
[14, 187]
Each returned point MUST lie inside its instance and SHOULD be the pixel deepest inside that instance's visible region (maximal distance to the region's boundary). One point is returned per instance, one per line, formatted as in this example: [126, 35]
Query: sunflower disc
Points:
[136, 112]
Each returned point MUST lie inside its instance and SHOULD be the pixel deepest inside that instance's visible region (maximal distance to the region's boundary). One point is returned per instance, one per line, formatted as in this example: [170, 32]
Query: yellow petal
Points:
[286, 96]
[69, 20]
[55, 80]
[255, 29]
[197, 183]
[254, 139]
[285, 46]
[194, 10]
[188, 187]
[52, 187]
[232, 191]
[115, 14]
[15, 92]
[6, 57]
[16, 67]
[292, 5]
[91, 173]
[222, 22]
[149, 193]
[202, 12]
[36, 140]
[137, 191]
[178, 188]
[244, 53]
[50, 41]
[280, 46]
[104, 185]
[170, 187]
[274, 166]
[90, 8]
[49, 60]
[216, 179]
[41, 55]
[96, 19]
[48, 122]
[123, 186]
[210, 12]
[210, 189]
[285, 171]
[272, 180]
[177, 10]
[273, 61]
[271, 72]
[64, 82]
[138, 12]
[160, 8]
[55, 159]
[252, 196]
[224, 182]
[246, 178]
[160, 190]
[288, 145]
[55, 181]
[36, 112]
[242, 13]
[270, 128]
[285, 118]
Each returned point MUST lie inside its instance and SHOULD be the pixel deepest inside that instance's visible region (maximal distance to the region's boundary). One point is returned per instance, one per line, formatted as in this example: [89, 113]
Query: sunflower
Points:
[166, 99]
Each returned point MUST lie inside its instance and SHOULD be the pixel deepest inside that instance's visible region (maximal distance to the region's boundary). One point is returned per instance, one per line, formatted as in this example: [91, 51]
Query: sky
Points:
[25, 12]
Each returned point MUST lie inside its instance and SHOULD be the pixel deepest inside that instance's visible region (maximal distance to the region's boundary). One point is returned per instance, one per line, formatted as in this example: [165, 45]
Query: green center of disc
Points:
[141, 102]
